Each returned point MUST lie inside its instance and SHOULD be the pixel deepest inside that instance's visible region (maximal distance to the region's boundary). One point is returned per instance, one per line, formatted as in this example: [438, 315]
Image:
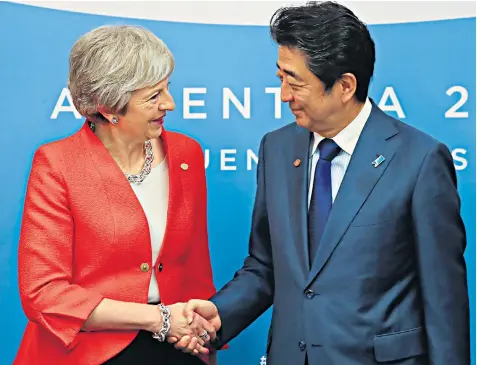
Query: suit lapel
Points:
[298, 201]
[359, 180]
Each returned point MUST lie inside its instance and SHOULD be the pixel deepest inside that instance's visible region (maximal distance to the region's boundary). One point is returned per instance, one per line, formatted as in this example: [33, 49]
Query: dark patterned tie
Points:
[321, 198]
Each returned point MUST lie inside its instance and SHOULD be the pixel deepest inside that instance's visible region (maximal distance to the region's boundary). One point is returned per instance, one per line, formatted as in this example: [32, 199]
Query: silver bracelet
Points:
[166, 323]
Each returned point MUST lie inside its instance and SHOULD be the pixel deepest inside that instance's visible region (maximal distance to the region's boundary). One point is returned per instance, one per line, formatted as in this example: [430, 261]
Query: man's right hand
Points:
[205, 309]
[187, 332]
[197, 309]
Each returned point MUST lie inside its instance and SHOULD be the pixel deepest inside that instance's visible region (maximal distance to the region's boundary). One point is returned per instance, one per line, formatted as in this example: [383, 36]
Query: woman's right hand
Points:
[185, 335]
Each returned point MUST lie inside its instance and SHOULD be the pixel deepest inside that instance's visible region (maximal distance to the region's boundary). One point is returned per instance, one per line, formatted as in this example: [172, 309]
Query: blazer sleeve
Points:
[250, 292]
[45, 256]
[441, 240]
[200, 268]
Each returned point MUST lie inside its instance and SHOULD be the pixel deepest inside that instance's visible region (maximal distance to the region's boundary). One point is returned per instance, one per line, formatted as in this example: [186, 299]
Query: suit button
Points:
[309, 293]
[302, 345]
[144, 267]
[161, 267]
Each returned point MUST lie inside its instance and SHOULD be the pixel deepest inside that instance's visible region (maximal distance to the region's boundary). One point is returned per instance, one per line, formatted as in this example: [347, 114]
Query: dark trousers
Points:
[144, 350]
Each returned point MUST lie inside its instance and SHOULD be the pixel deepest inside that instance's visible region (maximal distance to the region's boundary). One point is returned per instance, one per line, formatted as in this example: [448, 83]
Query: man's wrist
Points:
[215, 344]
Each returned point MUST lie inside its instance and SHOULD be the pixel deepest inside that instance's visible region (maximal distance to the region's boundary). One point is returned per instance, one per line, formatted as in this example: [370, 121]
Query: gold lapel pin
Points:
[297, 162]
[184, 166]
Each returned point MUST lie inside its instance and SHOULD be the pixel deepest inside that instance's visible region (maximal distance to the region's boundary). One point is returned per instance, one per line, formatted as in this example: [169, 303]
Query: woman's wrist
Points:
[154, 319]
[166, 323]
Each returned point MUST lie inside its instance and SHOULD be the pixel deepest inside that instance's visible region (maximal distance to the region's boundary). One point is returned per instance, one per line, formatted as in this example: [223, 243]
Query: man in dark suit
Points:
[357, 238]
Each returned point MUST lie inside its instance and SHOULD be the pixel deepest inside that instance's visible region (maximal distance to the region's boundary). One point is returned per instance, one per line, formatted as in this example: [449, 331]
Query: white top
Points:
[346, 140]
[153, 194]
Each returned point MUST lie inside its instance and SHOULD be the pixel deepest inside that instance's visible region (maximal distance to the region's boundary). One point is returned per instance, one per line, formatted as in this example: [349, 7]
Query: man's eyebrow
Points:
[290, 72]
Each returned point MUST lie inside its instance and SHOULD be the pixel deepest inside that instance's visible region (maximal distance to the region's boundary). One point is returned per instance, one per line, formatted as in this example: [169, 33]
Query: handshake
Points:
[193, 326]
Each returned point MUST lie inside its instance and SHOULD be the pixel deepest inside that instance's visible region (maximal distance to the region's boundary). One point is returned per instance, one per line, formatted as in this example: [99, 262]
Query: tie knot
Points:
[328, 149]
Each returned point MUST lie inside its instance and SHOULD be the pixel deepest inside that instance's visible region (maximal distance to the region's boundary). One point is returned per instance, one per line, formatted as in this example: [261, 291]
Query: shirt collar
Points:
[347, 138]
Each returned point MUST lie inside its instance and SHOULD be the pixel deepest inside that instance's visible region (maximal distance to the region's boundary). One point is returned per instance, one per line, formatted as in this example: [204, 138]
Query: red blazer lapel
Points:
[129, 221]
[179, 205]
[129, 225]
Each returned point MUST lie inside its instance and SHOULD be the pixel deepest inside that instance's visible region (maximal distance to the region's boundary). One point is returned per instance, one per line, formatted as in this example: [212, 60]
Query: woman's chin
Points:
[154, 132]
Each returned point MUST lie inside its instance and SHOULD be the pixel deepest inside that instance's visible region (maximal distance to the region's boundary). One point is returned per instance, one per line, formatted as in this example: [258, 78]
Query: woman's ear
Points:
[106, 113]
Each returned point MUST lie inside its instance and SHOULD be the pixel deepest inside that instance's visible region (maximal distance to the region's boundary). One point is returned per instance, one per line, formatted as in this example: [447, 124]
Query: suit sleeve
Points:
[45, 257]
[201, 269]
[441, 241]
[251, 290]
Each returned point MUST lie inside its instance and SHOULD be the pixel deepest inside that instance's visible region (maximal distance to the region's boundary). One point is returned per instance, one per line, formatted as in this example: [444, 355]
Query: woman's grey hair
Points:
[110, 62]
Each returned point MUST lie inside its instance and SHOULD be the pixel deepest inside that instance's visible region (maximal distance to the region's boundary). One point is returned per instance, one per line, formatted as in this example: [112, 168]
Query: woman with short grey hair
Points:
[114, 230]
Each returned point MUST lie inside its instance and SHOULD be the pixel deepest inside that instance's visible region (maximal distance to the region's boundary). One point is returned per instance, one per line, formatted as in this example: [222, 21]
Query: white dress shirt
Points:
[346, 140]
[153, 194]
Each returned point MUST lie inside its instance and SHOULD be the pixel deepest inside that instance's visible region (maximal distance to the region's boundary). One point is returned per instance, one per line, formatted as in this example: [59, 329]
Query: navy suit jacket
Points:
[388, 283]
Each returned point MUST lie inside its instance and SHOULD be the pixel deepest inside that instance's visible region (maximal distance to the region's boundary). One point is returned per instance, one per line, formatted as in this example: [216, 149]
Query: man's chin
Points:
[303, 122]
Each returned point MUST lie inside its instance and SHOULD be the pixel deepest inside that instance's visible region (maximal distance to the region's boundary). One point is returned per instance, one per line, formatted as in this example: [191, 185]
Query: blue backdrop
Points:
[425, 75]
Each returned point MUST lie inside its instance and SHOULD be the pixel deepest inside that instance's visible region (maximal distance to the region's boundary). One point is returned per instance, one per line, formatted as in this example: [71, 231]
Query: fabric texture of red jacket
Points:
[85, 237]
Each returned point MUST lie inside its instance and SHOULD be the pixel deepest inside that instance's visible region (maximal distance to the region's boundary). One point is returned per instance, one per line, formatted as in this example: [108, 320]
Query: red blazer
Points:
[85, 237]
